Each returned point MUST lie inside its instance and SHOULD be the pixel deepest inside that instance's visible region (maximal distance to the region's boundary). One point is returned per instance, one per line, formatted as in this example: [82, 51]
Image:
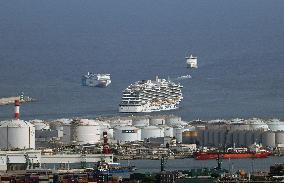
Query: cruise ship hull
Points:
[146, 109]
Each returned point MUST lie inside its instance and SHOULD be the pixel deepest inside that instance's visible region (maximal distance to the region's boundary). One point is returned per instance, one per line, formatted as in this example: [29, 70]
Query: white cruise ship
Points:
[151, 95]
[97, 80]
[191, 61]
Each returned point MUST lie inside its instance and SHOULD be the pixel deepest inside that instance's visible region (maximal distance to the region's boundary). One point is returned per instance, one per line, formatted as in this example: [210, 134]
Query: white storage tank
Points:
[17, 134]
[66, 131]
[157, 120]
[211, 138]
[140, 121]
[275, 125]
[127, 134]
[268, 138]
[172, 120]
[216, 139]
[222, 137]
[279, 137]
[151, 131]
[85, 131]
[229, 139]
[120, 121]
[242, 139]
[40, 124]
[236, 138]
[105, 127]
[257, 136]
[249, 138]
[168, 131]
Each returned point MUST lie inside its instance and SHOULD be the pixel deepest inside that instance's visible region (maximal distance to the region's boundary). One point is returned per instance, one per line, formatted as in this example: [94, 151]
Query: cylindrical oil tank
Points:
[172, 120]
[257, 136]
[249, 138]
[178, 134]
[279, 137]
[151, 131]
[85, 131]
[189, 137]
[140, 121]
[216, 138]
[200, 137]
[205, 138]
[275, 125]
[105, 127]
[242, 139]
[268, 138]
[239, 126]
[157, 120]
[120, 121]
[17, 134]
[222, 137]
[39, 124]
[236, 138]
[168, 131]
[229, 139]
[127, 134]
[211, 138]
[66, 138]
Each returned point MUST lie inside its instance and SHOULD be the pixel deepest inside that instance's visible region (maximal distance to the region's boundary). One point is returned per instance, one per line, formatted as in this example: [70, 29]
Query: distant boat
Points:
[96, 80]
[191, 61]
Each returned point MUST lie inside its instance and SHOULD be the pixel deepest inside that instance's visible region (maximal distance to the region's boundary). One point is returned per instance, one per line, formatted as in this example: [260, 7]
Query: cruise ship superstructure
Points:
[97, 80]
[151, 95]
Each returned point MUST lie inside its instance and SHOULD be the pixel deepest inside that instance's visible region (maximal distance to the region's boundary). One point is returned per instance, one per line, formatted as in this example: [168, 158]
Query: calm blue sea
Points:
[45, 47]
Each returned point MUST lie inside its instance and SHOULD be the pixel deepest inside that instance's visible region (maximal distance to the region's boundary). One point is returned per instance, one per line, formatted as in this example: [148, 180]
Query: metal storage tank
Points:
[168, 131]
[268, 138]
[84, 131]
[157, 120]
[17, 134]
[242, 139]
[205, 138]
[229, 139]
[257, 136]
[151, 131]
[249, 138]
[200, 137]
[127, 134]
[256, 124]
[189, 137]
[239, 126]
[222, 137]
[120, 121]
[173, 120]
[275, 125]
[236, 138]
[279, 137]
[105, 127]
[39, 124]
[211, 137]
[66, 138]
[140, 121]
[216, 142]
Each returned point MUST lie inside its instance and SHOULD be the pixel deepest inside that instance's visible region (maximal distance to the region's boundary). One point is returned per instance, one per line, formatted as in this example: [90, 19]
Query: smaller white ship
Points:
[191, 61]
[96, 80]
